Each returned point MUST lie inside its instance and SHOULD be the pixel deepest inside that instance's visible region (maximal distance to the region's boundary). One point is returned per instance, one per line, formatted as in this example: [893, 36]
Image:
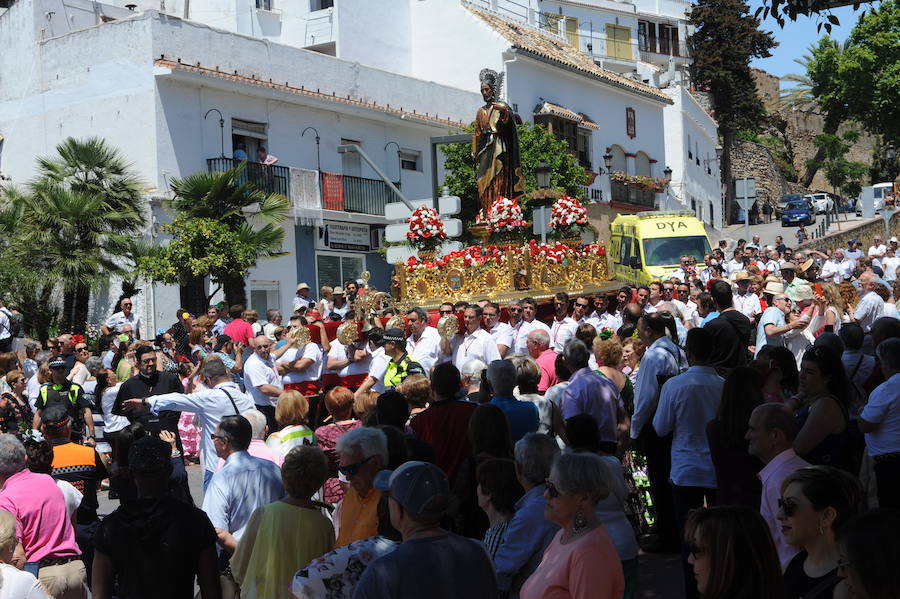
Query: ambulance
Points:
[649, 245]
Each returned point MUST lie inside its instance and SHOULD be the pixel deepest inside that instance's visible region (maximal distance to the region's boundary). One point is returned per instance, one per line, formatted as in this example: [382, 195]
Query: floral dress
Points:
[15, 416]
[335, 574]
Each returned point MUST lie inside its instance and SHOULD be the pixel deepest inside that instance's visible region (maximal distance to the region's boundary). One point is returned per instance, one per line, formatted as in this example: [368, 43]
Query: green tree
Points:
[842, 174]
[536, 145]
[223, 226]
[725, 40]
[885, 163]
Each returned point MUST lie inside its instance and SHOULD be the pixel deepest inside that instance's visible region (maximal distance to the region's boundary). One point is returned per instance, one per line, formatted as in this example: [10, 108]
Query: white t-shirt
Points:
[884, 409]
[748, 304]
[258, 373]
[503, 334]
[877, 250]
[377, 368]
[427, 350]
[473, 346]
[312, 372]
[561, 331]
[118, 320]
[18, 584]
[71, 495]
[889, 266]
[338, 351]
[111, 422]
[520, 340]
[853, 255]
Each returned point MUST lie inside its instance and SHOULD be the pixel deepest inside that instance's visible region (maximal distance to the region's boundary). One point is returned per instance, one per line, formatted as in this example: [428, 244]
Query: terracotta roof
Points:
[557, 110]
[302, 91]
[531, 41]
[587, 122]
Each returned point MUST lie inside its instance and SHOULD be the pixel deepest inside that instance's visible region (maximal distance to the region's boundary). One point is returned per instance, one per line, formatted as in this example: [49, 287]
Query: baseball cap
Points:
[55, 415]
[302, 286]
[894, 240]
[421, 488]
[395, 335]
[57, 362]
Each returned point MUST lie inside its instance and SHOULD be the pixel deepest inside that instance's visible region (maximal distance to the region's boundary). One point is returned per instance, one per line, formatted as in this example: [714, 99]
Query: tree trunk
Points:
[235, 291]
[80, 310]
[810, 172]
[68, 311]
[730, 214]
[193, 296]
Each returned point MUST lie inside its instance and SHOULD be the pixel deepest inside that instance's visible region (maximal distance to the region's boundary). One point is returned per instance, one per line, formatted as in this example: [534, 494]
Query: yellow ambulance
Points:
[649, 245]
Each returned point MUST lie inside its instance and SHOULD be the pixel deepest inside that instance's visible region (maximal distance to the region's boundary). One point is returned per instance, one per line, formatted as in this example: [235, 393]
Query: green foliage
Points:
[726, 39]
[884, 168]
[746, 135]
[536, 145]
[841, 174]
[791, 9]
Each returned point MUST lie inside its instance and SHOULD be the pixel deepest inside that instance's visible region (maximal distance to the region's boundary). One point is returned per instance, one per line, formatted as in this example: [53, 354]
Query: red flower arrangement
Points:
[568, 212]
[426, 229]
[504, 216]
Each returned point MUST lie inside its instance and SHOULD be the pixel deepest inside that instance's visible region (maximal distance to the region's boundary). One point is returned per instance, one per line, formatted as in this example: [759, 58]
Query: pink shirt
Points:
[547, 362]
[42, 521]
[586, 568]
[239, 330]
[774, 473]
[259, 449]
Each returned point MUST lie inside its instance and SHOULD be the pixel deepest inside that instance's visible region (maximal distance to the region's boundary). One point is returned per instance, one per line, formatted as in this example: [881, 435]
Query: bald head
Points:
[771, 430]
[538, 342]
[262, 345]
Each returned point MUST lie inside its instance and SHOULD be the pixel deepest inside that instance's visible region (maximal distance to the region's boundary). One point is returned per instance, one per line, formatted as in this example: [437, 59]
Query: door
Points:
[618, 42]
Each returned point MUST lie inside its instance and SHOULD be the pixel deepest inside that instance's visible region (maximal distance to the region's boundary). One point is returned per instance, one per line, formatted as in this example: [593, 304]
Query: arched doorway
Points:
[642, 164]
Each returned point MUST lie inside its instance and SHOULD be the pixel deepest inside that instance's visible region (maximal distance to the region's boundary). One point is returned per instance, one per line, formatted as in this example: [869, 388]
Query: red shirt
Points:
[547, 362]
[445, 426]
[239, 330]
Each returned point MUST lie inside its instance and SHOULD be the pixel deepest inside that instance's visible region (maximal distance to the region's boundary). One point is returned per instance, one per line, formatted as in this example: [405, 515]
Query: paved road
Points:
[768, 231]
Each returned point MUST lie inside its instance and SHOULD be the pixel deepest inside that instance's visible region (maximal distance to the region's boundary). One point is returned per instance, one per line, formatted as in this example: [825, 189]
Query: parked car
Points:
[783, 202]
[879, 191]
[821, 202]
[798, 212]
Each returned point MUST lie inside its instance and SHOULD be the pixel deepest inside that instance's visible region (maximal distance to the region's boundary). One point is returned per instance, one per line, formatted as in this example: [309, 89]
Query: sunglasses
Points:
[214, 436]
[445, 311]
[551, 488]
[126, 305]
[787, 506]
[81, 349]
[515, 309]
[582, 305]
[694, 550]
[353, 469]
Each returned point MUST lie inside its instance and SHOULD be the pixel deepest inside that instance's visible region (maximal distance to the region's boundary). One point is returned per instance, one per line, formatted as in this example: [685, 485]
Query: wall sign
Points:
[630, 129]
[335, 235]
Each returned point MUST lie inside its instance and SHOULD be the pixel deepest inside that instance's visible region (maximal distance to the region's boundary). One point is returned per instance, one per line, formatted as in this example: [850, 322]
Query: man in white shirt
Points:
[687, 403]
[424, 342]
[877, 249]
[853, 253]
[773, 324]
[301, 369]
[529, 323]
[115, 322]
[302, 299]
[736, 264]
[773, 264]
[771, 432]
[880, 421]
[374, 381]
[889, 265]
[604, 318]
[655, 298]
[351, 362]
[670, 296]
[871, 306]
[583, 311]
[563, 326]
[837, 268]
[518, 326]
[744, 301]
[262, 381]
[686, 272]
[475, 343]
[220, 397]
[500, 332]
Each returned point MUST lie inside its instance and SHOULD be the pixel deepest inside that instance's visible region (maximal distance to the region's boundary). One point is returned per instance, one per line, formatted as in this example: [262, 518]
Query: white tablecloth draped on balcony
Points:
[306, 197]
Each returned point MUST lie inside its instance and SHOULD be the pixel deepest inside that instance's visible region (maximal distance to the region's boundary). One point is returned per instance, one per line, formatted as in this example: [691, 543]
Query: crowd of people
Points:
[743, 413]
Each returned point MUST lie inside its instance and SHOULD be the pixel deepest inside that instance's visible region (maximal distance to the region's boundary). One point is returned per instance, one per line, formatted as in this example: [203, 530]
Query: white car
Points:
[821, 202]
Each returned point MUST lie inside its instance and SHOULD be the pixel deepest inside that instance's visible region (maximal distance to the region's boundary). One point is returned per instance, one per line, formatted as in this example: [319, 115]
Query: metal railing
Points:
[635, 196]
[270, 179]
[356, 194]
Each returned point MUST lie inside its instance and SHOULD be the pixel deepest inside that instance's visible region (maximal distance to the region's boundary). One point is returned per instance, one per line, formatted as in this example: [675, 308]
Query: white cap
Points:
[894, 240]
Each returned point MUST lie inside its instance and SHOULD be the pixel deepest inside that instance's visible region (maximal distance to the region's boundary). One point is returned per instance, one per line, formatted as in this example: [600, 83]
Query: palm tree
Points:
[253, 214]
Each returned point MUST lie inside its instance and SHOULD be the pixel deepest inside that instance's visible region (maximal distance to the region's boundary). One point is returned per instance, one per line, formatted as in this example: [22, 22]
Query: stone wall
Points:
[863, 233]
[802, 129]
[767, 86]
[749, 159]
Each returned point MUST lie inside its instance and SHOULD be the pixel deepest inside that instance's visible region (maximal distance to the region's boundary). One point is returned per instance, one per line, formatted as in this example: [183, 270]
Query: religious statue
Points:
[495, 145]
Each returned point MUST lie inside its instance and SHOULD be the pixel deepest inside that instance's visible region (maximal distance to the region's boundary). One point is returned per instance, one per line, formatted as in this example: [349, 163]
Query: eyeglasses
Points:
[515, 309]
[683, 291]
[787, 506]
[353, 469]
[214, 436]
[695, 550]
[668, 289]
[551, 488]
[126, 305]
[81, 349]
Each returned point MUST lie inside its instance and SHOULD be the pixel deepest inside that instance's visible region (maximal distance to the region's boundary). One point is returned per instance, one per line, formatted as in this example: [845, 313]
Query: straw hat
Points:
[773, 287]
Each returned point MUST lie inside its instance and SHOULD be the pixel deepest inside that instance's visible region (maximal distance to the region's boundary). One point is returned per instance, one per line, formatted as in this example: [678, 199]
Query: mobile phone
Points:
[818, 288]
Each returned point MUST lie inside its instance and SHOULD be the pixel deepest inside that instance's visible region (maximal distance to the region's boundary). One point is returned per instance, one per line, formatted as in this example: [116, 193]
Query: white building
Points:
[154, 78]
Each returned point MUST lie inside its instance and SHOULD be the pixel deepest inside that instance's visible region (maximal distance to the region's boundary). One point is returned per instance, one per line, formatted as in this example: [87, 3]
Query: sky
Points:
[797, 36]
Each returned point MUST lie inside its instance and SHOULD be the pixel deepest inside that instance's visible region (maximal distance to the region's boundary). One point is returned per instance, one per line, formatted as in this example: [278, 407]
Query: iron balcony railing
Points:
[355, 194]
[635, 196]
[271, 179]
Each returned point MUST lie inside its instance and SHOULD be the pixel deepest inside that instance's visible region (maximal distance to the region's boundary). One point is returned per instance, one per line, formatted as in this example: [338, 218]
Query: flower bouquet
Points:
[568, 218]
[426, 229]
[504, 219]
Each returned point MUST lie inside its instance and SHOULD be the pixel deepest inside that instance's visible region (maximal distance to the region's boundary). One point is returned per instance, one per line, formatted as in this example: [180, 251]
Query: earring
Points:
[580, 522]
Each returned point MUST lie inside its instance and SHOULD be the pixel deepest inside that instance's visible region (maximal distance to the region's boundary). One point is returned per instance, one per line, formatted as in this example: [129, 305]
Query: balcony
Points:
[641, 199]
[270, 179]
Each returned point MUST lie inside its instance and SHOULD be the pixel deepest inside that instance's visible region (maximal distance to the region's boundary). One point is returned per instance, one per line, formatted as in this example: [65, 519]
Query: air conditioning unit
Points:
[377, 235]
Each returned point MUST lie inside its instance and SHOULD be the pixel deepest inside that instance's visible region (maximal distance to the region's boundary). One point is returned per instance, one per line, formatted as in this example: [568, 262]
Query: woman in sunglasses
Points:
[815, 503]
[732, 554]
[581, 561]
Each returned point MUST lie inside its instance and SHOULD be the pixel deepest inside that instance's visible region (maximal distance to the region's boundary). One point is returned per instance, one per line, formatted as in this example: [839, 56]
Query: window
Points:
[584, 148]
[625, 251]
[320, 4]
[265, 295]
[668, 40]
[667, 251]
[410, 160]
[333, 269]
[264, 4]
[351, 163]
[618, 42]
[561, 25]
[690, 146]
[647, 36]
[563, 129]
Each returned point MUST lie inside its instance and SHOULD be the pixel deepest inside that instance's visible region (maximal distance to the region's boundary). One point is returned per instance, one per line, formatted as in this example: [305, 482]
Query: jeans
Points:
[685, 500]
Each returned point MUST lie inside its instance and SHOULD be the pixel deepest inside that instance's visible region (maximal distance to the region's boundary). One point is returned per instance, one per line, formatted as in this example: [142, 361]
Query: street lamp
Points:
[318, 139]
[667, 173]
[890, 153]
[221, 129]
[542, 173]
[399, 163]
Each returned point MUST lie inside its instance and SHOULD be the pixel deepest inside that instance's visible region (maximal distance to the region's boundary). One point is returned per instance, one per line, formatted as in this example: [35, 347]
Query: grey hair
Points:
[214, 368]
[422, 314]
[540, 337]
[501, 374]
[8, 538]
[42, 356]
[93, 364]
[257, 422]
[472, 368]
[12, 455]
[581, 473]
[535, 453]
[576, 354]
[272, 313]
[369, 441]
[888, 352]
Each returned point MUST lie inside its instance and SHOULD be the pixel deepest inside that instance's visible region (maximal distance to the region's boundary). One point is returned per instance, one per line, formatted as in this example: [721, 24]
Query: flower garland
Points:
[640, 181]
[426, 229]
[478, 256]
[567, 212]
[504, 215]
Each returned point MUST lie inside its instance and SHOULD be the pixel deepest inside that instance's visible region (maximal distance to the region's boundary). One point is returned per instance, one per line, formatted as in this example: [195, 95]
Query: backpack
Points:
[15, 323]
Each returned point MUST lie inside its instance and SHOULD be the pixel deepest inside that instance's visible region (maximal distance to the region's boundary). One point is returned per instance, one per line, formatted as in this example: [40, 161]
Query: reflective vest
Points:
[399, 370]
[74, 390]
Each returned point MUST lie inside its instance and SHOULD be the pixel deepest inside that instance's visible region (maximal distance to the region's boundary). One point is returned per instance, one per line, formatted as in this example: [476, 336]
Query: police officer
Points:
[60, 391]
[401, 365]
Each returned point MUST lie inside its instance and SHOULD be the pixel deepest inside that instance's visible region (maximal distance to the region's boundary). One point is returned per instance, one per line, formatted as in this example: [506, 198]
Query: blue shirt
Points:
[590, 393]
[243, 484]
[773, 316]
[523, 416]
[527, 536]
[239, 154]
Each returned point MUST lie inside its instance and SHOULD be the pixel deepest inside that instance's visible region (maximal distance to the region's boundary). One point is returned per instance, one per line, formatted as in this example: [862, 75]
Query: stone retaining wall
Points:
[750, 159]
[863, 232]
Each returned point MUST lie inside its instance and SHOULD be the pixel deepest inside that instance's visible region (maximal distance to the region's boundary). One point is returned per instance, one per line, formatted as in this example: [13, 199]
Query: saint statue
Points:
[495, 145]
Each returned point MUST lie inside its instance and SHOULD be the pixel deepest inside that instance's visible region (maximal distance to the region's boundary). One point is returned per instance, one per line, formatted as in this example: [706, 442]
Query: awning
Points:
[587, 122]
[557, 110]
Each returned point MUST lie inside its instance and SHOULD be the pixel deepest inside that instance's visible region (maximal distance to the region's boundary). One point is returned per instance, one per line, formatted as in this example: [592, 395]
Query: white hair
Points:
[369, 441]
[473, 368]
[12, 455]
[257, 422]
